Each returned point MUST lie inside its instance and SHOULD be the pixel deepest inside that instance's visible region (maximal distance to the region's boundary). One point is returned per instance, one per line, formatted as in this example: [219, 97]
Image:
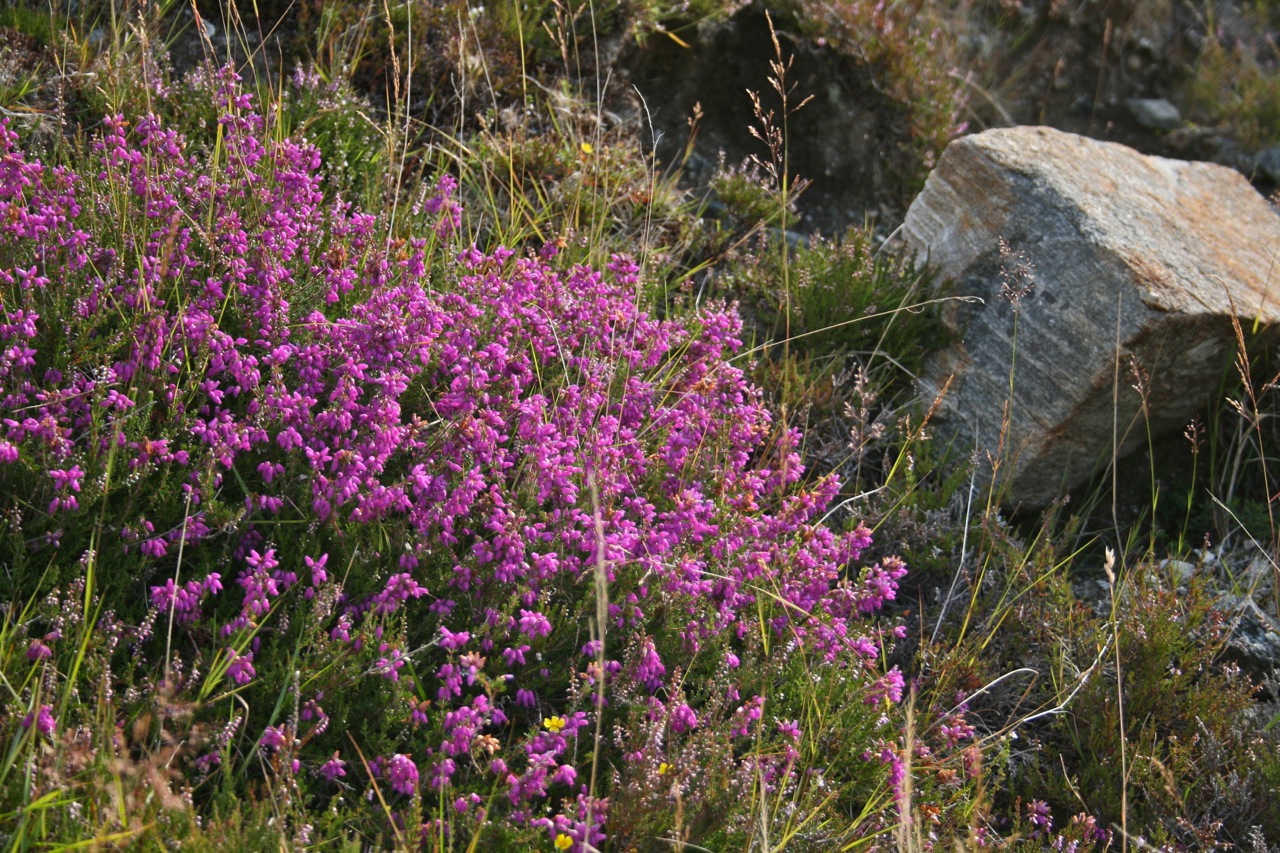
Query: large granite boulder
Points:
[1109, 259]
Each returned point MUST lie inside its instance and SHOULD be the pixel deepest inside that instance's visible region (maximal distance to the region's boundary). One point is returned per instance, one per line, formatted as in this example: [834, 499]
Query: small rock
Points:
[1180, 571]
[1154, 113]
[1267, 162]
[1205, 556]
[1255, 636]
[1258, 576]
[795, 240]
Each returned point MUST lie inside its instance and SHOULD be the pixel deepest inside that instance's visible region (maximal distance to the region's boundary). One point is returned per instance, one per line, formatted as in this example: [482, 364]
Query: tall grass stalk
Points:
[1108, 566]
[599, 633]
[772, 132]
[1252, 416]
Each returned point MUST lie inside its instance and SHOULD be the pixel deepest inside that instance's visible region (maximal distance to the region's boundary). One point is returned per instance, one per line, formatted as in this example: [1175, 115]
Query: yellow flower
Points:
[587, 148]
[563, 842]
[663, 768]
[554, 724]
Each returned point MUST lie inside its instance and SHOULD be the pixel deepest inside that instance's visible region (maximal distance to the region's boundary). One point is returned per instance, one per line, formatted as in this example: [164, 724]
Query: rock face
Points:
[1129, 260]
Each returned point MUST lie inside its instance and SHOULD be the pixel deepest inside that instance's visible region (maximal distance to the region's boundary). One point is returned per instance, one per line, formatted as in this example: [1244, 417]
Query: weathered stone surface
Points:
[1149, 254]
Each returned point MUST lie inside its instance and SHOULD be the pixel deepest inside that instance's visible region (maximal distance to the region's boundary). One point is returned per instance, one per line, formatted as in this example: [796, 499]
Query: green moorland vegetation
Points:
[394, 455]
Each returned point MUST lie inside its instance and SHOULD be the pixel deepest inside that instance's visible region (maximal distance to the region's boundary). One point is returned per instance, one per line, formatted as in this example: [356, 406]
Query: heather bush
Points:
[328, 517]
[1192, 779]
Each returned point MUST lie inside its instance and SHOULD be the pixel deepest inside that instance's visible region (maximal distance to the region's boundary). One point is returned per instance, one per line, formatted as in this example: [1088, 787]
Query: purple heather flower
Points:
[956, 731]
[683, 719]
[273, 739]
[317, 568]
[241, 670]
[514, 656]
[534, 624]
[450, 640]
[1039, 816]
[333, 768]
[790, 729]
[402, 774]
[745, 716]
[42, 718]
[650, 670]
[574, 722]
[887, 688]
[389, 667]
[897, 770]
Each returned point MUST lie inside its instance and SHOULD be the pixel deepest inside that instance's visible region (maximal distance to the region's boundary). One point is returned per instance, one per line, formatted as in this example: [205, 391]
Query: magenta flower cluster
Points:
[516, 432]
